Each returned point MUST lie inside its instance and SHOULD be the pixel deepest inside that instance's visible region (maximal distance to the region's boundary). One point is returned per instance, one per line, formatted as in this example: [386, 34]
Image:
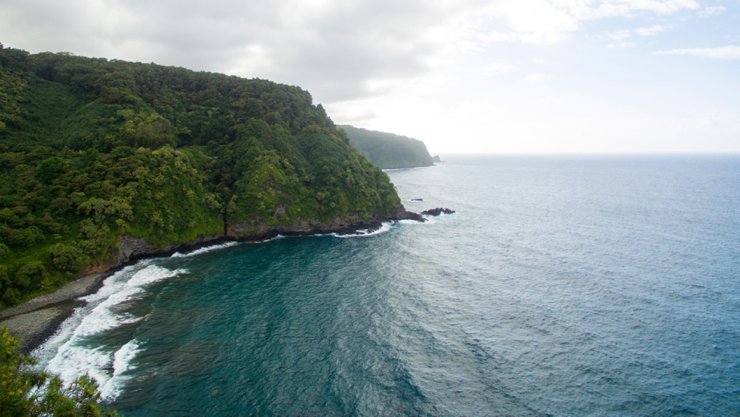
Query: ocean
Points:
[563, 285]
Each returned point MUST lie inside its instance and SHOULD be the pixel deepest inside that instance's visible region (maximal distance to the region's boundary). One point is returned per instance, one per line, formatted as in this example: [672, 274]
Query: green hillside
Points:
[387, 150]
[98, 153]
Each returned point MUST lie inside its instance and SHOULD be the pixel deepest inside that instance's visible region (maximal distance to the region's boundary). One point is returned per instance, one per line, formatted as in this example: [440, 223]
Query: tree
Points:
[28, 392]
[67, 258]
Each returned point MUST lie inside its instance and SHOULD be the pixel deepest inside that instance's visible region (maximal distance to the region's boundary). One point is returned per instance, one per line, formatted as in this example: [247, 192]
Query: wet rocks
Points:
[437, 211]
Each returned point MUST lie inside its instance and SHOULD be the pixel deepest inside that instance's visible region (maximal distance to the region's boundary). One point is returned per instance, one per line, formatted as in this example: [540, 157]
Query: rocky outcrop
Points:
[409, 215]
[130, 248]
[437, 211]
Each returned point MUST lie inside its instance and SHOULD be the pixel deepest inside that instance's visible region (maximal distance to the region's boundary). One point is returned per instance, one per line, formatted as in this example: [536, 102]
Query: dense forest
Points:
[388, 150]
[93, 149]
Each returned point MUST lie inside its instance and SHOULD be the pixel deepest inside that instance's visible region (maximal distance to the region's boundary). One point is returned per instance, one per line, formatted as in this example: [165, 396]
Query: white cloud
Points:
[548, 22]
[621, 45]
[711, 11]
[626, 8]
[720, 52]
[535, 21]
[499, 68]
[650, 31]
[619, 35]
[535, 78]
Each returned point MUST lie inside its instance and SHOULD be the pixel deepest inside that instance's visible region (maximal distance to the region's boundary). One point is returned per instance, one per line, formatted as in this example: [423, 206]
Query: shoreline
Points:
[35, 320]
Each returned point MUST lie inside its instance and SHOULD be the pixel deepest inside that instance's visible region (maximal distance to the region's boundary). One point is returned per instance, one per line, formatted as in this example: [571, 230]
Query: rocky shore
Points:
[36, 320]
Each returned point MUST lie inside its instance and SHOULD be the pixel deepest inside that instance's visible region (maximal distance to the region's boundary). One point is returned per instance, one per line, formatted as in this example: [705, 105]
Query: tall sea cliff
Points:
[105, 160]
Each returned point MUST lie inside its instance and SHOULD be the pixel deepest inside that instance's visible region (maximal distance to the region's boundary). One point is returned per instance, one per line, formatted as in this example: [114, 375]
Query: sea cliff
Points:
[388, 150]
[106, 161]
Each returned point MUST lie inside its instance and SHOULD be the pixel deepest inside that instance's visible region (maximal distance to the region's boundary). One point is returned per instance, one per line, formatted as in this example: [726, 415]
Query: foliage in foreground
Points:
[26, 392]
[92, 149]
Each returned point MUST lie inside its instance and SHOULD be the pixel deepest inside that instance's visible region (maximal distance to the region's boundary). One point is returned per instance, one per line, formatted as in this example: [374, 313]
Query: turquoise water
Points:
[563, 285]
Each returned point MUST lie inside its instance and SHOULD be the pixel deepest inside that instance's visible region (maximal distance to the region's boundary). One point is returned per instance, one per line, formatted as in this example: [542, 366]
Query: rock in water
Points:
[437, 211]
[409, 215]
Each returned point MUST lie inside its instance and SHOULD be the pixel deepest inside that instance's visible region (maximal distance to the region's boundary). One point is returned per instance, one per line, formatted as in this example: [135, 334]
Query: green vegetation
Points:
[26, 392]
[387, 150]
[94, 149]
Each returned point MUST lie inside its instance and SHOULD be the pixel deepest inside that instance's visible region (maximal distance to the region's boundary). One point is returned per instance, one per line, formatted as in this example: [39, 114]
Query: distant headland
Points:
[388, 150]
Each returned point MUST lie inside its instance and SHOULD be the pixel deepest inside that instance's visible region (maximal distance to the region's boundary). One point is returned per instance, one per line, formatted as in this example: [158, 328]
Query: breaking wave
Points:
[69, 353]
[384, 227]
[204, 250]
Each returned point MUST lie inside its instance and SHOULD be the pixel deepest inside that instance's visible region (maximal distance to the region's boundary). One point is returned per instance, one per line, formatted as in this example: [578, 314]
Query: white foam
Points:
[122, 362]
[384, 227]
[204, 250]
[270, 239]
[123, 357]
[111, 284]
[66, 353]
[416, 222]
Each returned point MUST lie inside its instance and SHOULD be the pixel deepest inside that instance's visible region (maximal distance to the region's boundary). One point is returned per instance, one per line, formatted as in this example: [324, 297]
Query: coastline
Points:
[35, 320]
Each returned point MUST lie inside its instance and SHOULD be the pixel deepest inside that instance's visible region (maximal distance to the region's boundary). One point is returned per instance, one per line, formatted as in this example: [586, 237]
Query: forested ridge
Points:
[388, 150]
[93, 149]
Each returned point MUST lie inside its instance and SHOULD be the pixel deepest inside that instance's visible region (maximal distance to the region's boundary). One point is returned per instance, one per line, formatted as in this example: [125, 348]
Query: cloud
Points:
[354, 117]
[650, 31]
[711, 11]
[548, 22]
[535, 78]
[628, 8]
[331, 47]
[720, 52]
[534, 21]
[336, 49]
[621, 45]
[619, 35]
[499, 68]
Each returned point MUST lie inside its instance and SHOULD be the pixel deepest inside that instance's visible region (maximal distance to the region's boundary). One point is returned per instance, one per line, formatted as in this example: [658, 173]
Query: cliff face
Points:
[105, 161]
[351, 222]
[388, 150]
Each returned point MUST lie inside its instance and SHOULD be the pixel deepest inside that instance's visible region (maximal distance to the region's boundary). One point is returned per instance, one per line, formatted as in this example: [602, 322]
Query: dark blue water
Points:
[563, 285]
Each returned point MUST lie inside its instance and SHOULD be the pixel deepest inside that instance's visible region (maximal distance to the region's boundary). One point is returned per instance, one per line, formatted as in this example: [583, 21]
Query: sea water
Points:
[562, 286]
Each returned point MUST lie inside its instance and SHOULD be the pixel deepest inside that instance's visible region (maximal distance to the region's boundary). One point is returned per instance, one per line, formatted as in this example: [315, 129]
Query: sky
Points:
[464, 76]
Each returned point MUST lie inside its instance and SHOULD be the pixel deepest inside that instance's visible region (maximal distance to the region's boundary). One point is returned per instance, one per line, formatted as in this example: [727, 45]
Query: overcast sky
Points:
[501, 76]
